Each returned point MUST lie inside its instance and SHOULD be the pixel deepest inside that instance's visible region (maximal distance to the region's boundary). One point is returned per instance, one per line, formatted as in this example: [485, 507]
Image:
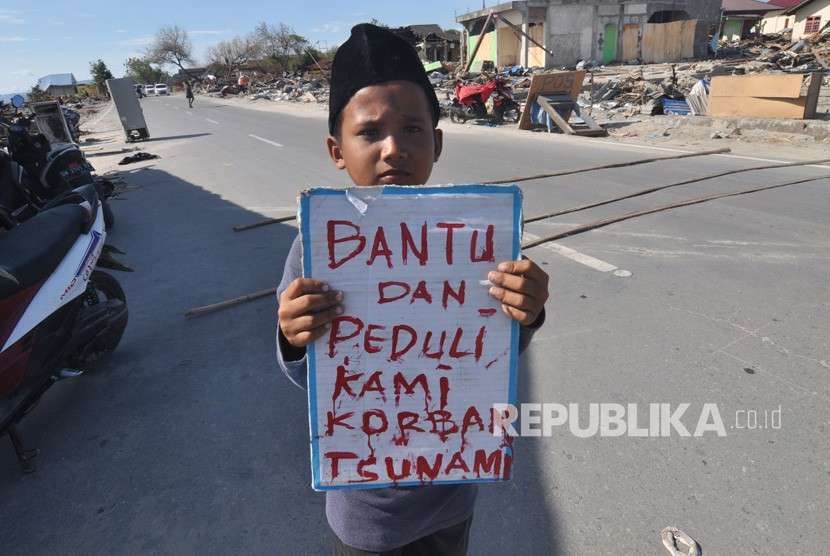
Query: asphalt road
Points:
[188, 440]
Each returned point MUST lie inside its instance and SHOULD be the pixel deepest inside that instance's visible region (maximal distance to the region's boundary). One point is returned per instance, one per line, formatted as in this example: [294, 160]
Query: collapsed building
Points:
[563, 32]
[435, 44]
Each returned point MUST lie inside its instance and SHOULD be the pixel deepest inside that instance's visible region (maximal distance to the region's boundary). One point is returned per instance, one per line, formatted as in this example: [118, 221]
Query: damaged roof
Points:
[798, 6]
[785, 3]
[56, 80]
[747, 6]
[423, 31]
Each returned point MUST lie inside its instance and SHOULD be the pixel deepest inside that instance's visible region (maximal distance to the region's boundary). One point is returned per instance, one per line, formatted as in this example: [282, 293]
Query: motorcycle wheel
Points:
[103, 288]
[512, 115]
[455, 118]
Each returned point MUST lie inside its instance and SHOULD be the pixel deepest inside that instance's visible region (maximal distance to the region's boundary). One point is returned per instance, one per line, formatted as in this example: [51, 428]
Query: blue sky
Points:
[42, 37]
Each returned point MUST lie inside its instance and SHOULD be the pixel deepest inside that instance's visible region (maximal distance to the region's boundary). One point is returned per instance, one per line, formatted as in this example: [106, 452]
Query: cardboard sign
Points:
[402, 386]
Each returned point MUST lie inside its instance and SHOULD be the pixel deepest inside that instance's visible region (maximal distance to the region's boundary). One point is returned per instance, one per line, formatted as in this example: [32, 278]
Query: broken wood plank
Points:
[266, 222]
[676, 184]
[478, 42]
[554, 115]
[628, 216]
[723, 150]
[212, 308]
[609, 166]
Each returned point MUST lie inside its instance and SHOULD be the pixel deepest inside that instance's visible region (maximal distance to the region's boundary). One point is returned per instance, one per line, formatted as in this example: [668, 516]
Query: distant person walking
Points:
[188, 93]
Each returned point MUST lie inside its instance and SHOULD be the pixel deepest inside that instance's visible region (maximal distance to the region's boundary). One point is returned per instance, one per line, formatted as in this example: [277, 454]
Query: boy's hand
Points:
[307, 307]
[522, 288]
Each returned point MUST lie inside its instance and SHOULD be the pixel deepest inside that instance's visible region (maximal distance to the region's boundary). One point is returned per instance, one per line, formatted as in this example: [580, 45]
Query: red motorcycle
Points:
[470, 102]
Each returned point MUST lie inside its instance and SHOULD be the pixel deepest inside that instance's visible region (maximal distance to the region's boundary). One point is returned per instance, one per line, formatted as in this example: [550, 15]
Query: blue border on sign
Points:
[305, 218]
[311, 378]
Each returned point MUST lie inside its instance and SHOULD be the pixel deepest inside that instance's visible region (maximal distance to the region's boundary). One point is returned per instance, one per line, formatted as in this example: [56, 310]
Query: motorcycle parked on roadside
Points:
[59, 311]
[470, 102]
[44, 172]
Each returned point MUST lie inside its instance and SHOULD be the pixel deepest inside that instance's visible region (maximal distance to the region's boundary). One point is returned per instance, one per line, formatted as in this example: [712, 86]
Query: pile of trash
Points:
[291, 88]
[632, 93]
[778, 52]
[296, 87]
[680, 88]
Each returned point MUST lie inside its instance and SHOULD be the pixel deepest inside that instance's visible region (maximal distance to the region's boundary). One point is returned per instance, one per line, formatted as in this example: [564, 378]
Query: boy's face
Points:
[386, 136]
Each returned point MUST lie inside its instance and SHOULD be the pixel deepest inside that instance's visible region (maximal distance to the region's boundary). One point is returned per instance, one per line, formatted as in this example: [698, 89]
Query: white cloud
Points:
[26, 72]
[120, 30]
[209, 31]
[56, 22]
[332, 27]
[12, 39]
[11, 17]
[136, 41]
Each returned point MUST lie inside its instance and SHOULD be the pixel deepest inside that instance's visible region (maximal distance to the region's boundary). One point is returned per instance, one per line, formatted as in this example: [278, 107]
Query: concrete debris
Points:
[777, 51]
[679, 543]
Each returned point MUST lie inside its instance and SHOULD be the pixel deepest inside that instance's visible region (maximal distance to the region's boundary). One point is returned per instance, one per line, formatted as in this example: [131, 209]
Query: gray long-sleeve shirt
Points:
[386, 518]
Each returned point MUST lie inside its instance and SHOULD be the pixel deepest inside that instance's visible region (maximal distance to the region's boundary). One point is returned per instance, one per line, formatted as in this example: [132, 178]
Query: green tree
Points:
[37, 94]
[100, 72]
[142, 71]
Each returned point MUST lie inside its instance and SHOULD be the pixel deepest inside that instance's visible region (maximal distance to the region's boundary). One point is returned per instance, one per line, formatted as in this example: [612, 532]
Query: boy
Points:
[383, 117]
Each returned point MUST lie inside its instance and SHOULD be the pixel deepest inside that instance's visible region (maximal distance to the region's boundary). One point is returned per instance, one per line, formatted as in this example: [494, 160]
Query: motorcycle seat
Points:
[31, 251]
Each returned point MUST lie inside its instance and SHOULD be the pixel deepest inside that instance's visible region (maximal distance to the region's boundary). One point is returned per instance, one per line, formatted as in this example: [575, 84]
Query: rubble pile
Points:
[626, 90]
[296, 88]
[632, 89]
[778, 52]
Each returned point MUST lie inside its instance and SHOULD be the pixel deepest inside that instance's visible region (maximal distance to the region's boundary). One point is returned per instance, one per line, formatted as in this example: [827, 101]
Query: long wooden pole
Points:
[519, 30]
[607, 166]
[478, 42]
[675, 184]
[213, 307]
[628, 216]
[267, 221]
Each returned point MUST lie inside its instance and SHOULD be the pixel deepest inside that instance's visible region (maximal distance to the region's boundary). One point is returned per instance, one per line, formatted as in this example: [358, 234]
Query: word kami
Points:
[403, 383]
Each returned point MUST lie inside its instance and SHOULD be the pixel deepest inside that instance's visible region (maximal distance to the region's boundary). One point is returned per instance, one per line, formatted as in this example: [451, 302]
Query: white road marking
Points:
[581, 258]
[264, 140]
[189, 113]
[211, 121]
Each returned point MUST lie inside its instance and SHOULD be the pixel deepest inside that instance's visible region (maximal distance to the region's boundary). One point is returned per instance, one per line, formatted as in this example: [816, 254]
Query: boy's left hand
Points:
[522, 288]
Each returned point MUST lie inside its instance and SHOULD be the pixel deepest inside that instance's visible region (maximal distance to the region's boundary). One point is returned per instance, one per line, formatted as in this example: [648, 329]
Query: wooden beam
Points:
[519, 30]
[478, 42]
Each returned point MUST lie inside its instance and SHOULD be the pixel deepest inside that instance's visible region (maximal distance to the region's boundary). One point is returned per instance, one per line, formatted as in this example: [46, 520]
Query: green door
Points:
[609, 44]
[732, 29]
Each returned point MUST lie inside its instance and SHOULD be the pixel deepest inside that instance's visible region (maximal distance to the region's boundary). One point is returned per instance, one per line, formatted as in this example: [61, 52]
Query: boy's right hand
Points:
[307, 307]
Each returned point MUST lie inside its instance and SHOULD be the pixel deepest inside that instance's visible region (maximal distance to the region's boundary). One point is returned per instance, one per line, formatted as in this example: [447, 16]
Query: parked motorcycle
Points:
[73, 122]
[470, 102]
[59, 311]
[44, 173]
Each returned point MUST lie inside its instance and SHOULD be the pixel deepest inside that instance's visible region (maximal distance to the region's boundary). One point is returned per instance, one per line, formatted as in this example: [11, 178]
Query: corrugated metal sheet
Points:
[56, 79]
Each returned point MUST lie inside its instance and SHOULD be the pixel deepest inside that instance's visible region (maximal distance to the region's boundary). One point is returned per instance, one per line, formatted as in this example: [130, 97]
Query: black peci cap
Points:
[370, 56]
